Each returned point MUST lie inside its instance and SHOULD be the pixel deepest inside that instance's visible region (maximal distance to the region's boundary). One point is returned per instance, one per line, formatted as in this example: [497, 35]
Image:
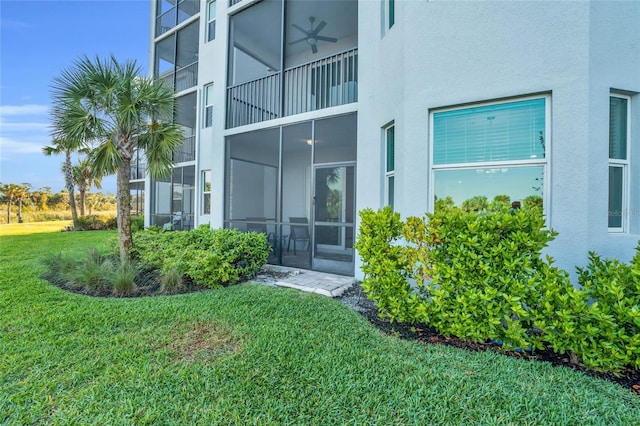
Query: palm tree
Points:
[107, 104]
[67, 146]
[9, 190]
[85, 177]
[21, 194]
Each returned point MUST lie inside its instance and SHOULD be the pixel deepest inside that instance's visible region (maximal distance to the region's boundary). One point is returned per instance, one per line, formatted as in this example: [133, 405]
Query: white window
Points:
[206, 192]
[491, 155]
[618, 162]
[389, 175]
[211, 20]
[207, 107]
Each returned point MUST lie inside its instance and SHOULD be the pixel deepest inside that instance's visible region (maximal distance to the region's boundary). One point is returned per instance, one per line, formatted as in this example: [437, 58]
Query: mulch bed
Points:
[423, 333]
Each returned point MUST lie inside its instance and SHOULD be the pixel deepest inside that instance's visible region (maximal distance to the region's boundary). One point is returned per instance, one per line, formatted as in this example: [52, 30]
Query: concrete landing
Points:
[323, 283]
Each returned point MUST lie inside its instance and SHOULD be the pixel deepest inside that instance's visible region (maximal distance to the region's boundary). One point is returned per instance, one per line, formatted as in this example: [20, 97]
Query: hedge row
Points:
[482, 277]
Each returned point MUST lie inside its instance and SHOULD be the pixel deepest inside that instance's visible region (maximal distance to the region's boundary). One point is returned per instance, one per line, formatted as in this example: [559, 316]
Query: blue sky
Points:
[38, 39]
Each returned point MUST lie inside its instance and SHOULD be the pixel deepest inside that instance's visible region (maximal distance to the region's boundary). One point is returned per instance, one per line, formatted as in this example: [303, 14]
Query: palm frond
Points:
[159, 142]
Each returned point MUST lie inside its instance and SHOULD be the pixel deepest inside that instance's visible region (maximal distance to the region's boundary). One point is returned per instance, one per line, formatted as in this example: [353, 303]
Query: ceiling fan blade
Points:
[298, 27]
[314, 48]
[331, 39]
[298, 41]
[319, 28]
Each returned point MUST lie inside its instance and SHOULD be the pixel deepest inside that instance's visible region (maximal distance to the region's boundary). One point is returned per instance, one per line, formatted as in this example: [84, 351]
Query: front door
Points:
[333, 219]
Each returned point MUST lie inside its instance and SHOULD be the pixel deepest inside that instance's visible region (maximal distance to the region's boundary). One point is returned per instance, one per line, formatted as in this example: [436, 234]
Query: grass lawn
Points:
[252, 354]
[33, 228]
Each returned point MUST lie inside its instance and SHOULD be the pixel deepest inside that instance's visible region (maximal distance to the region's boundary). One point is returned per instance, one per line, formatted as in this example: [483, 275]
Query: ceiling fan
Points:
[312, 36]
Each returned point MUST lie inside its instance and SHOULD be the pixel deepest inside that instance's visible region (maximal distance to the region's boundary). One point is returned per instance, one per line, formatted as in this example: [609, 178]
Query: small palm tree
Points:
[107, 104]
[21, 195]
[66, 146]
[9, 190]
[85, 177]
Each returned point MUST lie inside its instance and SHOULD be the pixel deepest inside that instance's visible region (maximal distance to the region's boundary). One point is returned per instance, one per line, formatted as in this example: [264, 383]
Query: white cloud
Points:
[28, 109]
[24, 126]
[13, 146]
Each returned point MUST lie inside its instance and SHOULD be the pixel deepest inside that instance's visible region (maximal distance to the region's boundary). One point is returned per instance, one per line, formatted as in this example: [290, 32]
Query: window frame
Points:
[622, 164]
[545, 162]
[206, 207]
[209, 21]
[207, 103]
[389, 173]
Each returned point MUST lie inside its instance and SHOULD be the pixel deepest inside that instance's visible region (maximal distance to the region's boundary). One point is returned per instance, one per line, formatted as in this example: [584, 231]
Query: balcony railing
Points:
[253, 102]
[187, 152]
[324, 83]
[181, 78]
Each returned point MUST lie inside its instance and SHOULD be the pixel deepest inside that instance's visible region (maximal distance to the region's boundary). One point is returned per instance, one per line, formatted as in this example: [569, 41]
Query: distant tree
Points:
[64, 144]
[444, 203]
[9, 190]
[500, 201]
[479, 203]
[107, 104]
[85, 177]
[21, 194]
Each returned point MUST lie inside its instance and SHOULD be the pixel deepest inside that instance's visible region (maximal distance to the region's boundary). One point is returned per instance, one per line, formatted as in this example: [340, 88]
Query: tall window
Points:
[211, 20]
[206, 192]
[207, 107]
[389, 188]
[392, 13]
[618, 162]
[490, 156]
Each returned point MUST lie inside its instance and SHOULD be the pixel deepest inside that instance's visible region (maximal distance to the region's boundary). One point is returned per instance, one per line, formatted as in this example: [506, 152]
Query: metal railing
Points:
[328, 82]
[181, 78]
[254, 101]
[187, 152]
[319, 84]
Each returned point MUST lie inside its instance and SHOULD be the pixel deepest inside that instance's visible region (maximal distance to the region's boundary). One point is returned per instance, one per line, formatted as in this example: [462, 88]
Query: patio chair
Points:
[298, 231]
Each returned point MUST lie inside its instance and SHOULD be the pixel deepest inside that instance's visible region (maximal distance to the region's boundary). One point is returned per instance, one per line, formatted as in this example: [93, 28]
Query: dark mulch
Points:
[356, 298]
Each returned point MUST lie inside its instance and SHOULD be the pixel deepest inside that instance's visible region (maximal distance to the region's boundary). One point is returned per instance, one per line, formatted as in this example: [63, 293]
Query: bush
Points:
[94, 222]
[607, 333]
[209, 257]
[481, 276]
[137, 223]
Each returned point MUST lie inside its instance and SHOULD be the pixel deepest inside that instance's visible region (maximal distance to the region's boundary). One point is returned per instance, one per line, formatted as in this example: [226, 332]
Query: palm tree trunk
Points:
[19, 209]
[123, 200]
[83, 198]
[9, 202]
[68, 179]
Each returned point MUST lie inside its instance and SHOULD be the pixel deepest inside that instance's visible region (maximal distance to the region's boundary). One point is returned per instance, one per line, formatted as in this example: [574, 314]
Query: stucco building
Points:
[297, 114]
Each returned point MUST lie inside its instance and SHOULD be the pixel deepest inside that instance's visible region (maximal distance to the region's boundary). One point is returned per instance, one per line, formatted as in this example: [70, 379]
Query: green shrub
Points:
[489, 280]
[209, 257]
[607, 333]
[385, 263]
[94, 222]
[137, 223]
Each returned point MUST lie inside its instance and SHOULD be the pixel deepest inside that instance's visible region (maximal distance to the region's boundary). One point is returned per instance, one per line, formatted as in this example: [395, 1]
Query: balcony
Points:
[181, 78]
[327, 82]
[187, 152]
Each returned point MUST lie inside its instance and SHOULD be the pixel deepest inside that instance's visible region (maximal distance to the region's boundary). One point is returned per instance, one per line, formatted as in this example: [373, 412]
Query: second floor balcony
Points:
[322, 83]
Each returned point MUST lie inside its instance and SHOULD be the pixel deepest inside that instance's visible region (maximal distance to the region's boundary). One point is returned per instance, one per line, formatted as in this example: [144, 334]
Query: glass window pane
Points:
[390, 191]
[211, 31]
[390, 149]
[617, 128]
[616, 176]
[501, 132]
[478, 189]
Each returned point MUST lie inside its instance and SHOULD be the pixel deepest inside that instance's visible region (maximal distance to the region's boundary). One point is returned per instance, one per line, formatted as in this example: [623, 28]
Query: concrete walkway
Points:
[330, 285]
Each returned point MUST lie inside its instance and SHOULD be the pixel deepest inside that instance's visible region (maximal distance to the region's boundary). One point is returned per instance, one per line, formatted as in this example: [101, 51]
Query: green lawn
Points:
[252, 354]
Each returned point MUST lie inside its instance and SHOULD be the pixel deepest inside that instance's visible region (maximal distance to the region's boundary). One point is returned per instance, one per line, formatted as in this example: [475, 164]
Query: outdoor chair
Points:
[298, 232]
